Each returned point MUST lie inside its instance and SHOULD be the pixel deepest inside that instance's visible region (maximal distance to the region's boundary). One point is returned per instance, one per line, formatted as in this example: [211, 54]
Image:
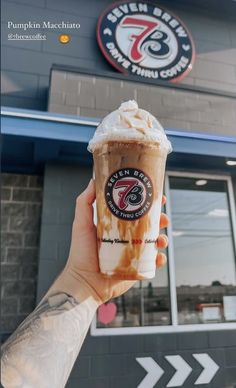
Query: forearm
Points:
[42, 351]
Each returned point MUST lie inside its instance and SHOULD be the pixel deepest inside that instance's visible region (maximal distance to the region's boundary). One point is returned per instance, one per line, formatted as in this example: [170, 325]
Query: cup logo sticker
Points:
[129, 193]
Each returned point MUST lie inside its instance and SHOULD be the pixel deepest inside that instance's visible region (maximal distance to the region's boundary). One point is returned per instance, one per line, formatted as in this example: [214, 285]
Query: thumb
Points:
[84, 210]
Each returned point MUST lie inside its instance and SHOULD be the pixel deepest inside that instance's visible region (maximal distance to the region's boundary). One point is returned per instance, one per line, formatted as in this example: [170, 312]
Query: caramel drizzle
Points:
[103, 226]
[128, 230]
[131, 230]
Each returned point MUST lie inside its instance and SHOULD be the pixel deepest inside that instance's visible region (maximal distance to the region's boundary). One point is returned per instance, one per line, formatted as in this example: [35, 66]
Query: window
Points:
[203, 249]
[197, 289]
[145, 304]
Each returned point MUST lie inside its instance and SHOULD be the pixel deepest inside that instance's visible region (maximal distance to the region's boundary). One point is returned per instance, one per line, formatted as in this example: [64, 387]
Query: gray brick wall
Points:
[21, 214]
[80, 94]
[109, 361]
[26, 65]
[62, 184]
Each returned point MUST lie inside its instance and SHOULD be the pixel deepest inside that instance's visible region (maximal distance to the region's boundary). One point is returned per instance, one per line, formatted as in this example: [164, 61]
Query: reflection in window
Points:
[156, 302]
[146, 304]
[127, 310]
[203, 251]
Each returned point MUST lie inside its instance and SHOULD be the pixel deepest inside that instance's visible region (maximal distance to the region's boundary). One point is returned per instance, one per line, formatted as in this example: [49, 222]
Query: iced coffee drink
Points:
[129, 151]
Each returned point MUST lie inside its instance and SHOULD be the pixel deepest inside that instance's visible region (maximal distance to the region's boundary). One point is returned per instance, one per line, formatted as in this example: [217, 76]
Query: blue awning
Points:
[33, 138]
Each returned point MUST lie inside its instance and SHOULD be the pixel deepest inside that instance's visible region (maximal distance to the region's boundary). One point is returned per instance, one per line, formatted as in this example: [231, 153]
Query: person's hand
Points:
[82, 263]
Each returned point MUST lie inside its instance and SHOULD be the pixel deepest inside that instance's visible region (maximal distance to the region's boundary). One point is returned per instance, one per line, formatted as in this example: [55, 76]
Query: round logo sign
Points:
[142, 39]
[129, 193]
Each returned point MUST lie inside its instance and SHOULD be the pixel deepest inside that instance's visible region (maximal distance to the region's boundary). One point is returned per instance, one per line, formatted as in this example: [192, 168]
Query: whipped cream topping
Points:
[130, 123]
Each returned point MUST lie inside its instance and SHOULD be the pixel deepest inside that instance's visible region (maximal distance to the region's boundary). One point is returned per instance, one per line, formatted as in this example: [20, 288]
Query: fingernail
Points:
[89, 186]
[90, 183]
[161, 260]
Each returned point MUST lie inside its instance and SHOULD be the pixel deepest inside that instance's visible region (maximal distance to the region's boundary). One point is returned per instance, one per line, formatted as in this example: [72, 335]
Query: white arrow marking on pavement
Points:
[210, 368]
[183, 370]
[154, 372]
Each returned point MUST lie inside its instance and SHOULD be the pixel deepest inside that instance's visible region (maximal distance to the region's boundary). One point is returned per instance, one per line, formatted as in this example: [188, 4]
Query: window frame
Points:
[174, 327]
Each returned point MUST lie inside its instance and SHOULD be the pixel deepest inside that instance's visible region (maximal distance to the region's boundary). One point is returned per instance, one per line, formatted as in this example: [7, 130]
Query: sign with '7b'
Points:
[142, 39]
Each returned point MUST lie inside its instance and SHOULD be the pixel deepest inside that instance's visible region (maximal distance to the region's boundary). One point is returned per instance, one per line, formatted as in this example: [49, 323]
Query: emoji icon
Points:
[64, 38]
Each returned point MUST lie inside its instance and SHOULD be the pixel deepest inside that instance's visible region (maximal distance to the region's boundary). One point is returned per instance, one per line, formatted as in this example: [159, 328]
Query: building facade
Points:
[180, 328]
